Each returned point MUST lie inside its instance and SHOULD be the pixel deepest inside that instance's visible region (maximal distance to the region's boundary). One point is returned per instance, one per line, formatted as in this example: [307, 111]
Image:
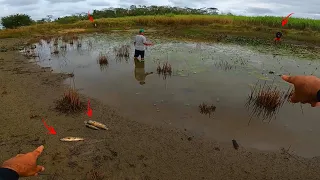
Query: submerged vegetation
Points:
[266, 100]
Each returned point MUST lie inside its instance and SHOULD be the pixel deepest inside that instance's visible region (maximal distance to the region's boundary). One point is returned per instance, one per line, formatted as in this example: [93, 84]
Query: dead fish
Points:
[92, 127]
[235, 144]
[97, 124]
[69, 139]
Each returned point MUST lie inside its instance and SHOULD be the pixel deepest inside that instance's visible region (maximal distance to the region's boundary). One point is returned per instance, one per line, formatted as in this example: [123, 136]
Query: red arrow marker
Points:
[50, 128]
[285, 20]
[90, 17]
[89, 113]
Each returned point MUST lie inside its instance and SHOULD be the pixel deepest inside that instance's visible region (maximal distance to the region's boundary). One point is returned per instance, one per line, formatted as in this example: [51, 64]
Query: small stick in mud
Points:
[94, 175]
[235, 144]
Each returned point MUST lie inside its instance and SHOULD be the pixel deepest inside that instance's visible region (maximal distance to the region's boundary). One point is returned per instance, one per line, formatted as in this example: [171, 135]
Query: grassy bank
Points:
[214, 21]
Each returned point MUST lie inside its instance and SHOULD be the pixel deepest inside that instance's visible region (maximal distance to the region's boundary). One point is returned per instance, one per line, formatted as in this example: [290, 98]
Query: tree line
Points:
[18, 20]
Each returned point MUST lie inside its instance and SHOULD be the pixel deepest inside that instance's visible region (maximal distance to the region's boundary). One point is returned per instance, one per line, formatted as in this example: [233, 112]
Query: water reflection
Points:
[139, 71]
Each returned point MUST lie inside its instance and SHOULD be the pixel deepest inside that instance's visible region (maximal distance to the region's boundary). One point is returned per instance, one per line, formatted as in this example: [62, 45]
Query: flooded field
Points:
[219, 75]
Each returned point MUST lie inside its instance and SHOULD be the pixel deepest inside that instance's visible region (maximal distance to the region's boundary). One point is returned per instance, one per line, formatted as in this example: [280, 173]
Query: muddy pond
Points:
[217, 74]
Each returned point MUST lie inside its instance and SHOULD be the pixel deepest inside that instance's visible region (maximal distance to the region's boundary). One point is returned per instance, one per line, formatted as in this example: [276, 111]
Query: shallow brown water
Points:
[175, 100]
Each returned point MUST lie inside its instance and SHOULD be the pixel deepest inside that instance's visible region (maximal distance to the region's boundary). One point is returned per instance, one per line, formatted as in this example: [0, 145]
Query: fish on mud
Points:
[97, 124]
[70, 139]
[91, 126]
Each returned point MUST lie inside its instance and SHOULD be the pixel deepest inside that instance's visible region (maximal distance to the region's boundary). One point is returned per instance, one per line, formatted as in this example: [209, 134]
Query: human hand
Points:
[25, 164]
[305, 89]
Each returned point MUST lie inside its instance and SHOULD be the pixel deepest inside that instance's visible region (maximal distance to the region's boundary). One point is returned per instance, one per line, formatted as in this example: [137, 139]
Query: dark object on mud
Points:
[70, 103]
[3, 49]
[165, 70]
[206, 109]
[266, 100]
[94, 175]
[235, 144]
[123, 51]
[217, 148]
[189, 138]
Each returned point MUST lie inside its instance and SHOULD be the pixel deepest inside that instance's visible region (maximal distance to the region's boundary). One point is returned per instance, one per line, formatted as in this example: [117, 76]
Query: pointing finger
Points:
[39, 169]
[38, 151]
[287, 78]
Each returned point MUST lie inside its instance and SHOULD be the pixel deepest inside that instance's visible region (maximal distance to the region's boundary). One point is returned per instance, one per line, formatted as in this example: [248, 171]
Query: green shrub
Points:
[17, 20]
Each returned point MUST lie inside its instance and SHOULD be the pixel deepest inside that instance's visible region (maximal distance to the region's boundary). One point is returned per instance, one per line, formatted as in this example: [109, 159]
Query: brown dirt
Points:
[129, 150]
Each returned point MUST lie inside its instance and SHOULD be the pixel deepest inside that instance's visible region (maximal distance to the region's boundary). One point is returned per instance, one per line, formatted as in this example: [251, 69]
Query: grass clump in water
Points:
[70, 103]
[266, 100]
[207, 109]
[102, 59]
[123, 51]
[224, 65]
[165, 69]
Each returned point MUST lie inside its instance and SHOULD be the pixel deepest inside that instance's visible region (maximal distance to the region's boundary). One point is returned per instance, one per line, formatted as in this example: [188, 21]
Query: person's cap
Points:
[141, 30]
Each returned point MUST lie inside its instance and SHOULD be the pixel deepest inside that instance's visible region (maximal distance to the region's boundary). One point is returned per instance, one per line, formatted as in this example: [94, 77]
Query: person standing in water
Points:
[139, 72]
[139, 44]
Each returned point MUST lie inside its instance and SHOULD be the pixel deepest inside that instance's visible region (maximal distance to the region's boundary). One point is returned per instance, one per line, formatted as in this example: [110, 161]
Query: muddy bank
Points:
[129, 150]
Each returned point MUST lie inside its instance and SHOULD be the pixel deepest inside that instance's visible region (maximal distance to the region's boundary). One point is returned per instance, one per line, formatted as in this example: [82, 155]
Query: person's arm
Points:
[8, 174]
[145, 42]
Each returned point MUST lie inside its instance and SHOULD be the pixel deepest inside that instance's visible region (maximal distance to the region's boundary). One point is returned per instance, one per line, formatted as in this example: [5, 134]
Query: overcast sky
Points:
[38, 9]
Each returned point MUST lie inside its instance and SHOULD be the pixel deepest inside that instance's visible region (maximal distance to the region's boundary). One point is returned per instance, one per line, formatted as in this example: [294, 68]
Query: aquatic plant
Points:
[164, 70]
[55, 43]
[266, 100]
[55, 50]
[102, 59]
[207, 109]
[122, 51]
[70, 102]
[224, 65]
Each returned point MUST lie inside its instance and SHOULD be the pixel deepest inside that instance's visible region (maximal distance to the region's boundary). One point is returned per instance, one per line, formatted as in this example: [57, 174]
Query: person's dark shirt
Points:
[8, 174]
